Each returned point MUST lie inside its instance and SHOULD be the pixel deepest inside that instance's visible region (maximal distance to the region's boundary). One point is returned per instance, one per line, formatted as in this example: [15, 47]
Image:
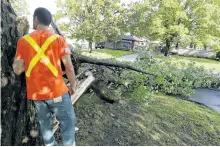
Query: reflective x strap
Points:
[40, 54]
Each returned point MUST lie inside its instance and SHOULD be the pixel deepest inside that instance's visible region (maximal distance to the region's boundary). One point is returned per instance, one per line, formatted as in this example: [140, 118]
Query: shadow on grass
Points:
[162, 121]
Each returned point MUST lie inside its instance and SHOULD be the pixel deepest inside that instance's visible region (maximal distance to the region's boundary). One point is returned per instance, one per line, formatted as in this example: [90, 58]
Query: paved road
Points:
[208, 97]
[198, 53]
[130, 58]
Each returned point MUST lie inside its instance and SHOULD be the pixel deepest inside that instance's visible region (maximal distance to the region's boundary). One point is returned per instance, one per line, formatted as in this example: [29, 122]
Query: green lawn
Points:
[203, 60]
[206, 63]
[107, 53]
[162, 121]
[115, 53]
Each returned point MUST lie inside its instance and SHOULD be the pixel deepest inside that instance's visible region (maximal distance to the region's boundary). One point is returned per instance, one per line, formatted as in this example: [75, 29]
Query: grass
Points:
[97, 55]
[201, 60]
[107, 53]
[114, 53]
[163, 120]
[206, 63]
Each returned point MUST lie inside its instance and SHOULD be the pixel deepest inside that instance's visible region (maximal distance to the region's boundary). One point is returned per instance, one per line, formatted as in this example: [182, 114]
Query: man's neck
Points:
[42, 28]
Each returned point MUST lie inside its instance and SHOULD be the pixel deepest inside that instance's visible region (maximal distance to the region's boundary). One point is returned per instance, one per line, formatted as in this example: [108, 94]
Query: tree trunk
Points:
[85, 59]
[17, 113]
[177, 46]
[132, 45]
[191, 45]
[90, 47]
[194, 47]
[167, 48]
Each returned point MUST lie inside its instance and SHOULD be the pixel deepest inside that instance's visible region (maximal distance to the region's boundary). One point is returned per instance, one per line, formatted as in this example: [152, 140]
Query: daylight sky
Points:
[33, 4]
[50, 5]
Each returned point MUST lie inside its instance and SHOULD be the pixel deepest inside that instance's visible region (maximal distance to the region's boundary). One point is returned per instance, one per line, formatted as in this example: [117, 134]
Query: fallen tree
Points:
[19, 125]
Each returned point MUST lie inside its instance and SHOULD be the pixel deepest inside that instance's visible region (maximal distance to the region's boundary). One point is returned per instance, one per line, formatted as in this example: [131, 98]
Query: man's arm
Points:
[69, 72]
[18, 66]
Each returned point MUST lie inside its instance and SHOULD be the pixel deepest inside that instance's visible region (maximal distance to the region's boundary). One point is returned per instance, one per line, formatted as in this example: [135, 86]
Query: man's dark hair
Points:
[43, 15]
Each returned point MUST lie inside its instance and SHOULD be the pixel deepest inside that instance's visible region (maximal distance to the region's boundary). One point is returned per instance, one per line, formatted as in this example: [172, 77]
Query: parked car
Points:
[100, 45]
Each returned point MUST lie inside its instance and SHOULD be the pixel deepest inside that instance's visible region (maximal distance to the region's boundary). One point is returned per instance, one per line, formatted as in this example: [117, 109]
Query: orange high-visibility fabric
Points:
[40, 54]
[42, 83]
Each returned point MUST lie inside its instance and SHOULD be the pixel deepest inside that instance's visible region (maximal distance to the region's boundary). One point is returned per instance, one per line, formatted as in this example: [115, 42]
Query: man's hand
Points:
[18, 66]
[72, 89]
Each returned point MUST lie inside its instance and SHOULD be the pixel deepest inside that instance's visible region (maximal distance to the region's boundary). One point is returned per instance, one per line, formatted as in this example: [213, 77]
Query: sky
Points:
[50, 5]
[33, 4]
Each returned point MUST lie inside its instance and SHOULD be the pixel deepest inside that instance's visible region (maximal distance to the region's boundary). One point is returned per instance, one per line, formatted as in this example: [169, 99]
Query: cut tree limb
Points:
[85, 59]
[82, 87]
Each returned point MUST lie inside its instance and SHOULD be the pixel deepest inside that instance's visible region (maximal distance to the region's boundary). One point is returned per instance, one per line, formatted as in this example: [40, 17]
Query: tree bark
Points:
[177, 46]
[194, 47]
[17, 113]
[90, 47]
[85, 59]
[166, 49]
[191, 45]
[205, 47]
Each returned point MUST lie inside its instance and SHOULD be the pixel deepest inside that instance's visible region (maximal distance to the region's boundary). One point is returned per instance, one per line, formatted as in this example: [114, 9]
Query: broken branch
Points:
[85, 59]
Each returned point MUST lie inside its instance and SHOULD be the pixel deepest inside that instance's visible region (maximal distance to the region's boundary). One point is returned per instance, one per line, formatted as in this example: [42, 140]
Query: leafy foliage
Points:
[176, 21]
[21, 7]
[92, 20]
[172, 77]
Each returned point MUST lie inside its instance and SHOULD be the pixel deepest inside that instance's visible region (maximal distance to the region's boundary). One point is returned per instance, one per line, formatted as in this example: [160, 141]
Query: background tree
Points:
[92, 20]
[177, 22]
[203, 23]
[21, 7]
[135, 19]
[165, 21]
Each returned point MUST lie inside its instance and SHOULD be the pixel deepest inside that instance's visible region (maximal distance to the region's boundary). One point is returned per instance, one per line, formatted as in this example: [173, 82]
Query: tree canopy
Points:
[174, 22]
[92, 20]
[177, 21]
[21, 7]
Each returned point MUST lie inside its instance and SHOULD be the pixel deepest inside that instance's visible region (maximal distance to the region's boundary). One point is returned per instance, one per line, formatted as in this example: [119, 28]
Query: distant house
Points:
[126, 43]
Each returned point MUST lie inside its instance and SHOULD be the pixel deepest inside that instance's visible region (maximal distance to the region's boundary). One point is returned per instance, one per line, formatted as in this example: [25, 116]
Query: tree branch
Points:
[85, 59]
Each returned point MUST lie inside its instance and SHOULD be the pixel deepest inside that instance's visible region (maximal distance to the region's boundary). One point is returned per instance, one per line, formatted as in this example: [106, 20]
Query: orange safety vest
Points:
[43, 71]
[40, 54]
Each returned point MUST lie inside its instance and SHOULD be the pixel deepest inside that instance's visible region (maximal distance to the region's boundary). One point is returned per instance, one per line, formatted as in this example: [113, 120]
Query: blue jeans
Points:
[64, 113]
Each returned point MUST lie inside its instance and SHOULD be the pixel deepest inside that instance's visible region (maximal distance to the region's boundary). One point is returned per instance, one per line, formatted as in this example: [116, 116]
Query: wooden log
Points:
[85, 59]
[83, 86]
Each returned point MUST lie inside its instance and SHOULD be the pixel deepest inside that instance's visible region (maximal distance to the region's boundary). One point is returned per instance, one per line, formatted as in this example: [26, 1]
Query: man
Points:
[39, 54]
